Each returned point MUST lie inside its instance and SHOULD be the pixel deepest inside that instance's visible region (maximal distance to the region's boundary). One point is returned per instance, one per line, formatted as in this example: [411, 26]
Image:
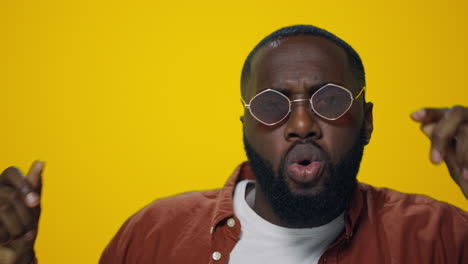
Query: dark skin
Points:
[296, 65]
[20, 210]
[447, 128]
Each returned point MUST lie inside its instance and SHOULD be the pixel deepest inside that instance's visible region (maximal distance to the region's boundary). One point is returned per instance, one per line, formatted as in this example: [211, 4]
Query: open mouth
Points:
[304, 164]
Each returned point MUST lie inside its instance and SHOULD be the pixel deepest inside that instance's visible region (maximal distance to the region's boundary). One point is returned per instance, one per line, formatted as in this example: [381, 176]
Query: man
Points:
[297, 199]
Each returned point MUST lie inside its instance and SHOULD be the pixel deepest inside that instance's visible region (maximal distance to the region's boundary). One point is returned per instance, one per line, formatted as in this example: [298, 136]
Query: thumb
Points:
[428, 129]
[34, 176]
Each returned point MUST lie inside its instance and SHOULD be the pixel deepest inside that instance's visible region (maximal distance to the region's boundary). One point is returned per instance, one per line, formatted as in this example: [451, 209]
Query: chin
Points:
[305, 191]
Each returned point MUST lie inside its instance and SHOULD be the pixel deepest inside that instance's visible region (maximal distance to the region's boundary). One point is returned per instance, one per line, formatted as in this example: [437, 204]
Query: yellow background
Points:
[129, 101]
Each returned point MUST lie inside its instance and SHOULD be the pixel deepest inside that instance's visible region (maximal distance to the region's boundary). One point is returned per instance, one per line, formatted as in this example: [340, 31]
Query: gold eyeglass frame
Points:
[301, 100]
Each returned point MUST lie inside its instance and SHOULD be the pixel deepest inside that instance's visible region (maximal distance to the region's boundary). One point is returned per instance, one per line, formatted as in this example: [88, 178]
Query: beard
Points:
[309, 210]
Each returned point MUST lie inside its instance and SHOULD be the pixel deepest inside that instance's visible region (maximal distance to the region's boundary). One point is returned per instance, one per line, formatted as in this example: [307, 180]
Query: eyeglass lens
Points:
[270, 107]
[330, 102]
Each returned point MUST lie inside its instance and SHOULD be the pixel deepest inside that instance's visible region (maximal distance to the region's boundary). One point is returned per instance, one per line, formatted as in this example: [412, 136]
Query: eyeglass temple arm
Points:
[361, 92]
[244, 103]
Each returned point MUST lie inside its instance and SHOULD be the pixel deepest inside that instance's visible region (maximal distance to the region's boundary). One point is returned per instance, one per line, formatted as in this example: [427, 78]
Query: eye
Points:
[272, 104]
[330, 97]
[328, 100]
[331, 101]
[270, 101]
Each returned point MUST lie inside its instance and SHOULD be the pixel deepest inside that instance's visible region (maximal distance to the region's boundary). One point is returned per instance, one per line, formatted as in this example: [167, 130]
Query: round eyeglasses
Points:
[330, 102]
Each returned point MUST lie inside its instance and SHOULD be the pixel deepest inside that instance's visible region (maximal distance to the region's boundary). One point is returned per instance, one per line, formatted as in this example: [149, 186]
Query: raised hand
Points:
[447, 129]
[19, 214]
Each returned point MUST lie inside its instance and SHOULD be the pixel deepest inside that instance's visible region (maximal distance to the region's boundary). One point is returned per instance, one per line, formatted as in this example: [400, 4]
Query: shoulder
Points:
[159, 227]
[404, 207]
[177, 207]
[414, 227]
[408, 228]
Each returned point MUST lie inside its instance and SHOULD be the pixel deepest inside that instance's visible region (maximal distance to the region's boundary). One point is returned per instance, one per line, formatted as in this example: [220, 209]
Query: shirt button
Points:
[231, 222]
[216, 255]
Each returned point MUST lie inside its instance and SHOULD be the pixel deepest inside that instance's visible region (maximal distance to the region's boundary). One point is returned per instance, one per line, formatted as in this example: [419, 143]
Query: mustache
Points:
[301, 142]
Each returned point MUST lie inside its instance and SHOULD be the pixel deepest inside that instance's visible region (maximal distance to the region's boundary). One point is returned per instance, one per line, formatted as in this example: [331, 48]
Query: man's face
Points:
[304, 147]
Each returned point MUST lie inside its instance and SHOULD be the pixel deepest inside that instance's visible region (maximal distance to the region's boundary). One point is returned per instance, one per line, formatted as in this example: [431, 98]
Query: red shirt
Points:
[381, 226]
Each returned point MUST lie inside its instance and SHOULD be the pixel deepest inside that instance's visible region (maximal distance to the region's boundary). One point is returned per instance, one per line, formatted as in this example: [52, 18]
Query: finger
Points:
[4, 236]
[458, 173]
[24, 242]
[452, 165]
[444, 132]
[23, 247]
[25, 214]
[13, 177]
[35, 174]
[431, 115]
[428, 115]
[464, 180]
[27, 217]
[7, 255]
[428, 129]
[10, 220]
[461, 145]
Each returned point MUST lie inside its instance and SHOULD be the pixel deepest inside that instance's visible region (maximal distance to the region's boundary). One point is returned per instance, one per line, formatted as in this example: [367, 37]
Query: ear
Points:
[369, 120]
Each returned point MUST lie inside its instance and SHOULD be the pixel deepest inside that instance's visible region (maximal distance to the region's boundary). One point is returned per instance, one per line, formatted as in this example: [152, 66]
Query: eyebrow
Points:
[311, 89]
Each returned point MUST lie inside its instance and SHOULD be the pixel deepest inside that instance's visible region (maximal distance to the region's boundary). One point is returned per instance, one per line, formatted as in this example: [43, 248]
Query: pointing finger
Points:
[428, 115]
[35, 175]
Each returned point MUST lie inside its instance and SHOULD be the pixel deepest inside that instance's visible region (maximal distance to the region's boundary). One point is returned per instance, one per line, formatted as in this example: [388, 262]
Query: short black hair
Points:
[355, 62]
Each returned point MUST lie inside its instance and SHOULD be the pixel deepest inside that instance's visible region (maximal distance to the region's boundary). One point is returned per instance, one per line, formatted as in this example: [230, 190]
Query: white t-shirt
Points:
[264, 242]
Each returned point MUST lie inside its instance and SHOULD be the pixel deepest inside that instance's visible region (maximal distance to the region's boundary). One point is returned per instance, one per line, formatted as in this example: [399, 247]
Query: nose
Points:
[302, 122]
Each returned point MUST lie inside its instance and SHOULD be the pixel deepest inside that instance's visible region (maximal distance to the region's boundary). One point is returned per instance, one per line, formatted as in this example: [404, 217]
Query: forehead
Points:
[298, 62]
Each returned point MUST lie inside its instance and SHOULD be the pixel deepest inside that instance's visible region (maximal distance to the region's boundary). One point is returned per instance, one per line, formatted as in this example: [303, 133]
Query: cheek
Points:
[340, 135]
[337, 142]
[267, 141]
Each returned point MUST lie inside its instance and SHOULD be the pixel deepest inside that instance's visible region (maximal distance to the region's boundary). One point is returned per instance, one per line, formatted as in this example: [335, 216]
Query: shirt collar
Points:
[224, 204]
[224, 207]
[354, 211]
